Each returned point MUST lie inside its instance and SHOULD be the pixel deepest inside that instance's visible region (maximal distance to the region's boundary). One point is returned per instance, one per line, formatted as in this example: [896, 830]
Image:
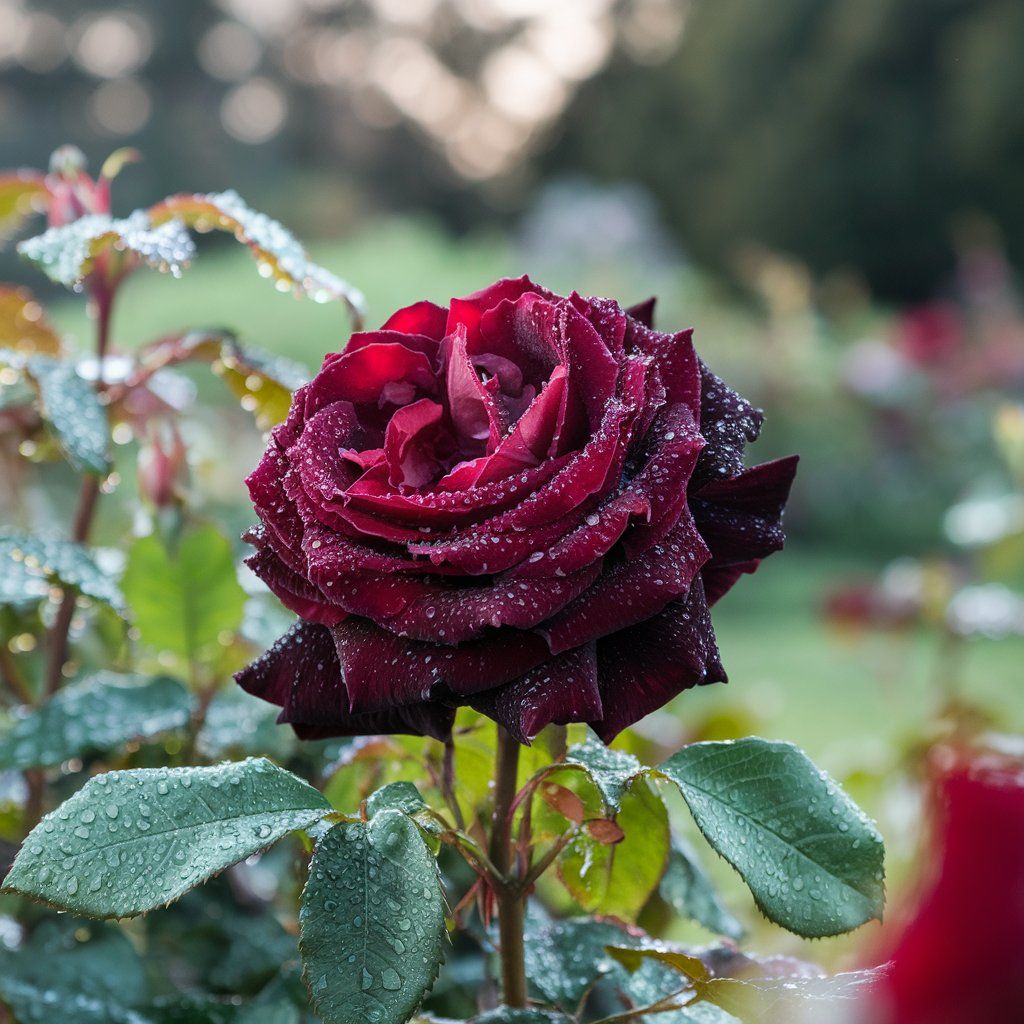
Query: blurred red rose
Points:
[522, 502]
[960, 960]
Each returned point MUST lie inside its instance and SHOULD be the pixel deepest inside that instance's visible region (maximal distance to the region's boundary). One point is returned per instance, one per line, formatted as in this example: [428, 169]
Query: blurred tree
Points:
[851, 135]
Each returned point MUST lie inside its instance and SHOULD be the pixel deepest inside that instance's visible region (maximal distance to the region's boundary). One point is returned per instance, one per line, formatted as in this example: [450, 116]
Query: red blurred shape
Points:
[960, 959]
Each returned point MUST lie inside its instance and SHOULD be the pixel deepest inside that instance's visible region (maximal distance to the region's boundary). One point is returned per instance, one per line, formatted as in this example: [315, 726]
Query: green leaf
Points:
[24, 326]
[396, 796]
[22, 194]
[85, 973]
[618, 880]
[97, 713]
[278, 252]
[130, 841]
[371, 927]
[66, 254]
[688, 890]
[611, 770]
[565, 958]
[72, 408]
[182, 601]
[811, 858]
[239, 724]
[30, 564]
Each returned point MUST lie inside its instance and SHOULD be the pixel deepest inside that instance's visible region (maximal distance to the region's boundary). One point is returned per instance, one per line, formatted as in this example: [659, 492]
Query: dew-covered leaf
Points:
[71, 407]
[22, 194]
[130, 841]
[610, 769]
[29, 565]
[810, 856]
[565, 958]
[24, 326]
[98, 714]
[66, 254]
[396, 796]
[371, 927]
[182, 601]
[277, 251]
[617, 880]
[687, 889]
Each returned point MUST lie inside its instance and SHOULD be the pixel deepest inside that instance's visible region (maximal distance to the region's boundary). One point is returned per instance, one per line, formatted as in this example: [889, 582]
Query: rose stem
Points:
[86, 508]
[511, 898]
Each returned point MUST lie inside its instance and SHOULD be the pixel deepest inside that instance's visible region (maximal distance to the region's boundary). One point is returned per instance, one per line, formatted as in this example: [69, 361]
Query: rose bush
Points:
[524, 503]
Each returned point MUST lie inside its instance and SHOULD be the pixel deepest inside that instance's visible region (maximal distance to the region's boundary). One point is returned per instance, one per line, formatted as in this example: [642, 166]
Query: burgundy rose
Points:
[523, 503]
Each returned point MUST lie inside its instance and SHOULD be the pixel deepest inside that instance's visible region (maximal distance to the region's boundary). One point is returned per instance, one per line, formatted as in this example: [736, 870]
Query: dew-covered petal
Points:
[469, 311]
[633, 590]
[453, 614]
[559, 691]
[301, 674]
[727, 421]
[740, 517]
[640, 669]
[382, 670]
[374, 375]
[294, 591]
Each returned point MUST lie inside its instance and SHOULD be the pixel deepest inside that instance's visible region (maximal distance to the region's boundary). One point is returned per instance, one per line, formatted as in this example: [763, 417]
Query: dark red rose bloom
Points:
[523, 503]
[960, 958]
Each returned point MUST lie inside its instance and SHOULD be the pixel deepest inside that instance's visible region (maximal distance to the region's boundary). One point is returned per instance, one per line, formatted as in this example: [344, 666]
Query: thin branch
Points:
[12, 677]
[663, 1005]
[548, 859]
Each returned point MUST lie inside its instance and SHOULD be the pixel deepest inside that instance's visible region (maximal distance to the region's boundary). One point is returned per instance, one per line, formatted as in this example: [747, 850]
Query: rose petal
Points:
[741, 517]
[727, 422]
[382, 670]
[632, 591]
[642, 668]
[411, 443]
[473, 411]
[720, 579]
[423, 317]
[563, 689]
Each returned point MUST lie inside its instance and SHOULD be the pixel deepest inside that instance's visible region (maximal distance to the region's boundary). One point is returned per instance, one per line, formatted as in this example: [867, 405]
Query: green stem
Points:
[88, 494]
[511, 899]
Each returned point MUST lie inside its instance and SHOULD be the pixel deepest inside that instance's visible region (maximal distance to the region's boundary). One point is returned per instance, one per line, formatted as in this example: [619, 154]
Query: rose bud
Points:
[523, 503]
[162, 463]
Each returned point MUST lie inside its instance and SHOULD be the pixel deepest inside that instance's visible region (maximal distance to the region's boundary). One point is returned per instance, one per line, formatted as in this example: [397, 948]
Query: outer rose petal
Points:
[720, 579]
[642, 668]
[301, 674]
[563, 689]
[420, 318]
[631, 592]
[741, 517]
[382, 670]
[727, 422]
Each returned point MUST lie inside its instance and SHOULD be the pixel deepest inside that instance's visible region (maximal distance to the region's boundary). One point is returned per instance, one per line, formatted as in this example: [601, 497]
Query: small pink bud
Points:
[162, 466]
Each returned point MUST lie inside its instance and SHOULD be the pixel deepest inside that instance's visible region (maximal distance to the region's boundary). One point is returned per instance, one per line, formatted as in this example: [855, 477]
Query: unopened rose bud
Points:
[73, 193]
[161, 467]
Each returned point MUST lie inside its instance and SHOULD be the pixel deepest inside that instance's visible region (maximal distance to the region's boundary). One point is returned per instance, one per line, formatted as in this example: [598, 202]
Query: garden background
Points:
[828, 192]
